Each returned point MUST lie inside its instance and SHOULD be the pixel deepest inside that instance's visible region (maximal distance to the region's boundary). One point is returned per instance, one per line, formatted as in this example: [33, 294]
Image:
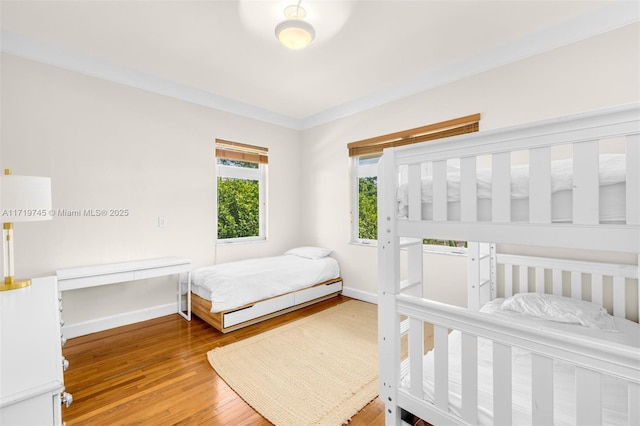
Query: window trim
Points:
[357, 172]
[253, 154]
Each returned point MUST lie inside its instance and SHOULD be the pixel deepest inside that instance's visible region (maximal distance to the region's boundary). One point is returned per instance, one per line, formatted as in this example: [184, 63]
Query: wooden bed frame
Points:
[403, 312]
[233, 319]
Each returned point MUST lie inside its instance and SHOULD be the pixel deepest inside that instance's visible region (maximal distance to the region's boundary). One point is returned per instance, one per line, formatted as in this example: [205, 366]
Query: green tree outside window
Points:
[238, 208]
[238, 202]
[368, 208]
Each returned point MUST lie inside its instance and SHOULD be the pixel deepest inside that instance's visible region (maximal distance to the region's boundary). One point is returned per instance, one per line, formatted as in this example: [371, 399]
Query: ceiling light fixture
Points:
[294, 32]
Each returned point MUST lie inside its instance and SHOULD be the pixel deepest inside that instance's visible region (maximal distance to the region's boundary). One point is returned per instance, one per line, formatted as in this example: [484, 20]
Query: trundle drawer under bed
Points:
[243, 316]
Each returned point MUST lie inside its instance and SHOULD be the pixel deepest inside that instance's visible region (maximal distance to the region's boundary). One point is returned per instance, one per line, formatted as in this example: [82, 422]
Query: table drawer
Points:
[160, 272]
[92, 281]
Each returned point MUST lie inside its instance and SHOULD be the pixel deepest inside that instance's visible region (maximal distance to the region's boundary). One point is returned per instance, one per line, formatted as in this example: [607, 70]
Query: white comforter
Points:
[233, 284]
[614, 391]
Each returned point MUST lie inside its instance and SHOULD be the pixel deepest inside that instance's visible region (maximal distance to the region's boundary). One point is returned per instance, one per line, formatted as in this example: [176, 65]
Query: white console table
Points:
[97, 275]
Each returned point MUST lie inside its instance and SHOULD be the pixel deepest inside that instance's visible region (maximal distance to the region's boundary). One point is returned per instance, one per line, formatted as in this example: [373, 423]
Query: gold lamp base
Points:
[11, 283]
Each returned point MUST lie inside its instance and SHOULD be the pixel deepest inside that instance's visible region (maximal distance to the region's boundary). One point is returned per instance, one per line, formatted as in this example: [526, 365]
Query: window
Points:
[364, 159]
[366, 198]
[241, 171]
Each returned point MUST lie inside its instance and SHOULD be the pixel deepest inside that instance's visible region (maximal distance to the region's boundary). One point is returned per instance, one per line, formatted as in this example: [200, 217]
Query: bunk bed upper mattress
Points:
[614, 391]
[233, 284]
[611, 180]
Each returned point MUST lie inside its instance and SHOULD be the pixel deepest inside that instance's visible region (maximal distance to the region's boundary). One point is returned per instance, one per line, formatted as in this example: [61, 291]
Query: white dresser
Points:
[31, 362]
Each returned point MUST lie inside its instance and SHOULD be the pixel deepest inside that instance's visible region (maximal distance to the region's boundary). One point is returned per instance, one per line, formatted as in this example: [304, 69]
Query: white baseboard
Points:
[80, 329]
[100, 324]
[365, 296]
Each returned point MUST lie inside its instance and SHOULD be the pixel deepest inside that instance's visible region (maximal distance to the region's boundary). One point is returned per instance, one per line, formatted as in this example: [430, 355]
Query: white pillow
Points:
[561, 309]
[309, 252]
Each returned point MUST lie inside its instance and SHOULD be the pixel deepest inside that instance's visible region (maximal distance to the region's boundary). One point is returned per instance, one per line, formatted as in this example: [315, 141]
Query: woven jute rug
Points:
[319, 370]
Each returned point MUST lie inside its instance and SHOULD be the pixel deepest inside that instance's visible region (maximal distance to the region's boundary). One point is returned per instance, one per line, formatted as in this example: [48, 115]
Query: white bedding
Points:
[612, 192]
[233, 284]
[614, 393]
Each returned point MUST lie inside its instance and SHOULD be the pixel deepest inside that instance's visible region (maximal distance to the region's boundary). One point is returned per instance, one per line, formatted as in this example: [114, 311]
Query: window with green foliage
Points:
[365, 204]
[365, 155]
[447, 243]
[241, 195]
[238, 207]
[368, 208]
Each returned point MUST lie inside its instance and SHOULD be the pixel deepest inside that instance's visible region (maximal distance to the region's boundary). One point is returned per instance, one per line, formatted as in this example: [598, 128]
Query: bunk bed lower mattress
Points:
[614, 391]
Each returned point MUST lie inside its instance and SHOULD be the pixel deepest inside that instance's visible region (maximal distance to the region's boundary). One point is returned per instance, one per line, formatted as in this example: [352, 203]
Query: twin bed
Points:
[543, 340]
[232, 295]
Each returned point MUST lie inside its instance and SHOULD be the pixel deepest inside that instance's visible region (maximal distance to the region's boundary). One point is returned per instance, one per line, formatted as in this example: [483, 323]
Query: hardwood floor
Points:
[156, 373]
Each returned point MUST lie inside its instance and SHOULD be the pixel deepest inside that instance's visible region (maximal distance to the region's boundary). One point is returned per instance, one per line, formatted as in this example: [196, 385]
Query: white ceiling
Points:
[224, 53]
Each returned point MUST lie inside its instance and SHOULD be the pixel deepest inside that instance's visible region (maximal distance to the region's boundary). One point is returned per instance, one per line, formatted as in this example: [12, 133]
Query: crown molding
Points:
[24, 47]
[615, 15]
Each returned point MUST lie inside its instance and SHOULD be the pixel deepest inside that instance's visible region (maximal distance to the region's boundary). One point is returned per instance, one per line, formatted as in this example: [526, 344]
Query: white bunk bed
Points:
[489, 365]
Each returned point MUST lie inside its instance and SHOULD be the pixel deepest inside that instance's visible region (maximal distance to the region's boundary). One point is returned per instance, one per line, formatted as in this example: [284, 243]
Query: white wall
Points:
[593, 73]
[108, 146]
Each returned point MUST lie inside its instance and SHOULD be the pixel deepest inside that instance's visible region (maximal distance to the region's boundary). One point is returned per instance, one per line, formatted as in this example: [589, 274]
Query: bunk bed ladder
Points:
[481, 274]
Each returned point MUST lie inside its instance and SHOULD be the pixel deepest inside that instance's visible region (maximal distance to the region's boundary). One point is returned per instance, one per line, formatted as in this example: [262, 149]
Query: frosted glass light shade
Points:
[295, 33]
